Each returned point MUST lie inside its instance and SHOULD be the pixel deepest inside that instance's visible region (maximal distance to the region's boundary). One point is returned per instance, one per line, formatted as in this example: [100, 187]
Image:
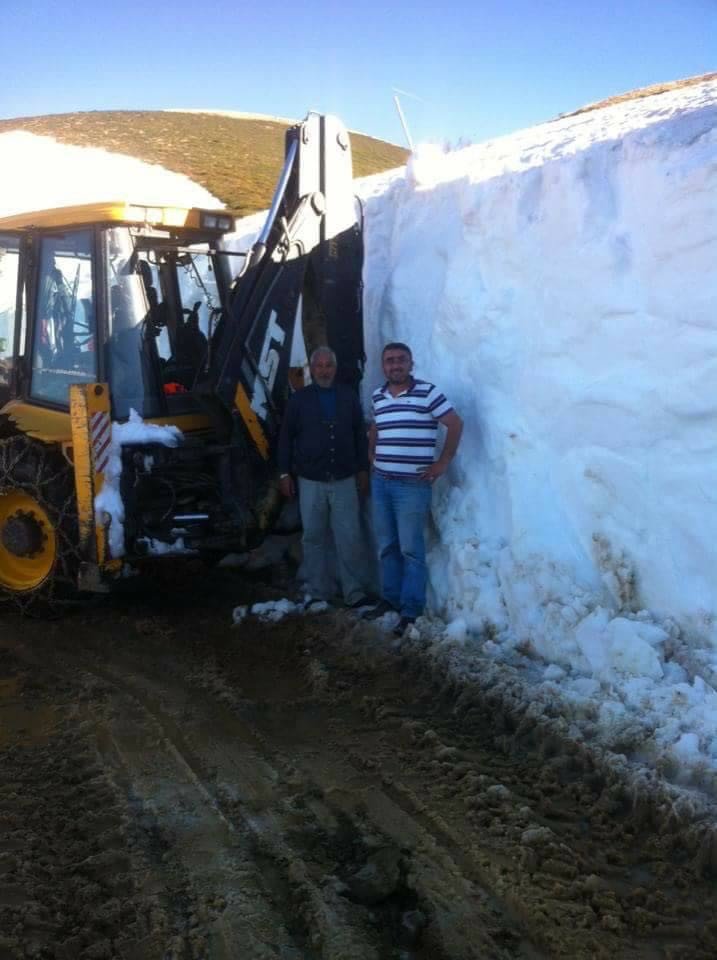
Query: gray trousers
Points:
[332, 505]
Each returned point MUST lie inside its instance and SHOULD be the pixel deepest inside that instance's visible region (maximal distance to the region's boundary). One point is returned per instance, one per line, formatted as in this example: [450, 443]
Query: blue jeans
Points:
[400, 509]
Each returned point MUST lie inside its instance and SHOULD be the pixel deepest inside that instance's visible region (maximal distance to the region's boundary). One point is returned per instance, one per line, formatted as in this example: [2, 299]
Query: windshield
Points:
[64, 342]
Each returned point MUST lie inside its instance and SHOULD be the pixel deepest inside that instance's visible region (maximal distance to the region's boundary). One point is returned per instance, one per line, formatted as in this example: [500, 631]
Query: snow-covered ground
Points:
[560, 285]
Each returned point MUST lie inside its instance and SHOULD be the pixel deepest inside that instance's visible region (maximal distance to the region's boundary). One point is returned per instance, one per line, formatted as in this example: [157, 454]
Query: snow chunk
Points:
[159, 548]
[619, 646]
[687, 747]
[457, 631]
[272, 611]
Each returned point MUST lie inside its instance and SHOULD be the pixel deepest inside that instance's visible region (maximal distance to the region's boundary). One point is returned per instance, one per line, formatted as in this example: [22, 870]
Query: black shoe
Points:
[402, 626]
[383, 606]
[368, 600]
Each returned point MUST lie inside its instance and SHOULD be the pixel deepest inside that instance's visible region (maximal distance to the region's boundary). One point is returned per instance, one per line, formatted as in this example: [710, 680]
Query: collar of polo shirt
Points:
[411, 385]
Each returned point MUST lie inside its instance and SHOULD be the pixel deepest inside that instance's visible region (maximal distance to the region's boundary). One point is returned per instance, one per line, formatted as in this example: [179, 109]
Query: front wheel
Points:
[39, 558]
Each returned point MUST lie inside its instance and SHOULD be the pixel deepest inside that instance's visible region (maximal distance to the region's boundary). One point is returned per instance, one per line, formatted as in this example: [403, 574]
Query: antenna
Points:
[403, 122]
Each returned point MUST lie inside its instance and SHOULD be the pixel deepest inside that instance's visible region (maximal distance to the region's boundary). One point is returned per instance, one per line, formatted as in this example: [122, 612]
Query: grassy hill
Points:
[237, 159]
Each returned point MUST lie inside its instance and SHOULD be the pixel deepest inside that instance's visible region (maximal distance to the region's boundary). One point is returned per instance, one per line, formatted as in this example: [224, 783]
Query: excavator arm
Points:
[304, 269]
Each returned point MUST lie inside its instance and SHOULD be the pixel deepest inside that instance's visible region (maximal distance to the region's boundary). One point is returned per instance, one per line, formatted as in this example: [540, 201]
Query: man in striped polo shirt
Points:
[402, 447]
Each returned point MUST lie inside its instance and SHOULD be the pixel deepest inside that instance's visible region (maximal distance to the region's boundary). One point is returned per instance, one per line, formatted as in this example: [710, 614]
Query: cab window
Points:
[184, 309]
[64, 338]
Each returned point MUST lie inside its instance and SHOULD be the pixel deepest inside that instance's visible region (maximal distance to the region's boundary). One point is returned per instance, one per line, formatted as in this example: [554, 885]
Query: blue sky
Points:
[479, 68]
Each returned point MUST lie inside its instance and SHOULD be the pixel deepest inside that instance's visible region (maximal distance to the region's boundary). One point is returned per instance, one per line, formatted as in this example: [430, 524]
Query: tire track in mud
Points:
[300, 828]
[211, 854]
[67, 870]
[219, 906]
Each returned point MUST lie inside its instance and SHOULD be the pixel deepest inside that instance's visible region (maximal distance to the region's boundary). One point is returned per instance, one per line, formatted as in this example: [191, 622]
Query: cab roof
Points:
[182, 218]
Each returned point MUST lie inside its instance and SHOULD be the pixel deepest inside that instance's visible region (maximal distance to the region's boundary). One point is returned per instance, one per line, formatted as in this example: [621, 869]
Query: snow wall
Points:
[560, 284]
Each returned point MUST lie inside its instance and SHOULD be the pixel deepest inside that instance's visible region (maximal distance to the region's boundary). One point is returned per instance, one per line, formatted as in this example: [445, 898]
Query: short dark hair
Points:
[396, 345]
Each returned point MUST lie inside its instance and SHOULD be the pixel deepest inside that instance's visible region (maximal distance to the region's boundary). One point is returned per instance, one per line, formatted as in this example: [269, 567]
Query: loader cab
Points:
[117, 293]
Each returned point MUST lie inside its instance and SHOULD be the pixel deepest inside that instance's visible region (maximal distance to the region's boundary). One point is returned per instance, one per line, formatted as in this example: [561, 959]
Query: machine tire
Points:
[39, 557]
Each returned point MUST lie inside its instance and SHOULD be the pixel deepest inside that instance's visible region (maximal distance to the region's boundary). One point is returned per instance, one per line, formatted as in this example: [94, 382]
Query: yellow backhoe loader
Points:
[145, 366]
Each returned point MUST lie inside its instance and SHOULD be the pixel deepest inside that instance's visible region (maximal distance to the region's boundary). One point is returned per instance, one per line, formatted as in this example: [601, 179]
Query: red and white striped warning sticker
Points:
[101, 437]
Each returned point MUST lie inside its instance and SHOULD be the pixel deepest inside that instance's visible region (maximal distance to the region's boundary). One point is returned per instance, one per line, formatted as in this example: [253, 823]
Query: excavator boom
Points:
[304, 269]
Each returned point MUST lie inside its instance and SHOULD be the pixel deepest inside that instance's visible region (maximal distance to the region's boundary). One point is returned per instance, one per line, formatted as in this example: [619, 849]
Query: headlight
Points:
[216, 221]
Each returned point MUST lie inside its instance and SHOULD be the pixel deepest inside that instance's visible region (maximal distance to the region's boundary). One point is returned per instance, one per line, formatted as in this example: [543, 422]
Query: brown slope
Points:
[237, 159]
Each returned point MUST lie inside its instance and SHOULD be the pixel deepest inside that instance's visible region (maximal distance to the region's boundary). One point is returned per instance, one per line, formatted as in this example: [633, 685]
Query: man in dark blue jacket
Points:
[323, 443]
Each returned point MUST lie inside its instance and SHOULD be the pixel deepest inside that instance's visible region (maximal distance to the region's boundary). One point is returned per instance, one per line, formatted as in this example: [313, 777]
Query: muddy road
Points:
[176, 788]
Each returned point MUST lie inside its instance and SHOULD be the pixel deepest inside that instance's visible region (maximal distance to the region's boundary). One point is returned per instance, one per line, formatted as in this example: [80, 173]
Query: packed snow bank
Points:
[560, 285]
[39, 173]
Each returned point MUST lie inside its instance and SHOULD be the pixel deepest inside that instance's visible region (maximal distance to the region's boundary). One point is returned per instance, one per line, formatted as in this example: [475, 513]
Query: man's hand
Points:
[454, 428]
[436, 470]
[287, 487]
[372, 436]
[362, 484]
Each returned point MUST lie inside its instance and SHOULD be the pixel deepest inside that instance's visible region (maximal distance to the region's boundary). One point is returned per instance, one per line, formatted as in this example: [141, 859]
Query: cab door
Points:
[64, 329]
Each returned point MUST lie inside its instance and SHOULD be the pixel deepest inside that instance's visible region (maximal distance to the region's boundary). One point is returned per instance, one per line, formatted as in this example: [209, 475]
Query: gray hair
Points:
[322, 351]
